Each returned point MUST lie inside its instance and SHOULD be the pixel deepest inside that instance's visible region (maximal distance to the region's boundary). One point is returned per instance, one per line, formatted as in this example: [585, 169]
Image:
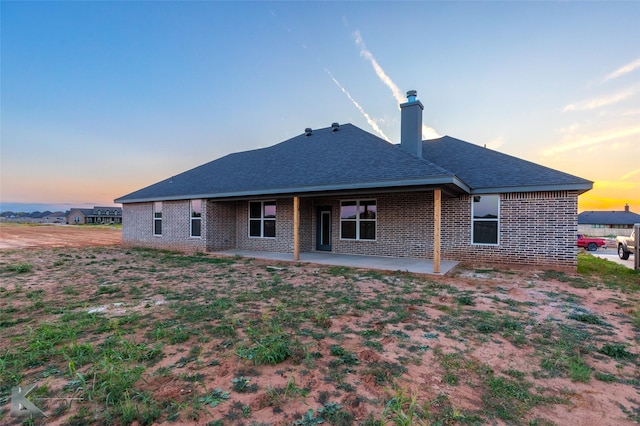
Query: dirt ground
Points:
[14, 235]
[478, 346]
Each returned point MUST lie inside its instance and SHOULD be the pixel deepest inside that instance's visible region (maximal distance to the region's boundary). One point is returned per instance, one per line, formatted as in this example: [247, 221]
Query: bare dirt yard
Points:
[118, 336]
[15, 235]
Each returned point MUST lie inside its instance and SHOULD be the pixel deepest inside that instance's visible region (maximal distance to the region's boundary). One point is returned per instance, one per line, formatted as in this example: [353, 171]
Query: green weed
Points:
[403, 409]
[616, 350]
[19, 268]
[215, 397]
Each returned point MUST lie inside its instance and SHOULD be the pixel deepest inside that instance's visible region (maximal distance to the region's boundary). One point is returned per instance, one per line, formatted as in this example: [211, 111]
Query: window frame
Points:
[262, 219]
[358, 220]
[193, 219]
[485, 220]
[157, 218]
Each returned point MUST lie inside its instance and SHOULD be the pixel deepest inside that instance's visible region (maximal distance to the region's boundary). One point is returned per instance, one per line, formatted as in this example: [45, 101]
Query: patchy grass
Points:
[154, 336]
[610, 273]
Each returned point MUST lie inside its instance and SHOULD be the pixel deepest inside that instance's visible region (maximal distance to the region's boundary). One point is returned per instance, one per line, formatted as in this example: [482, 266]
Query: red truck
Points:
[590, 244]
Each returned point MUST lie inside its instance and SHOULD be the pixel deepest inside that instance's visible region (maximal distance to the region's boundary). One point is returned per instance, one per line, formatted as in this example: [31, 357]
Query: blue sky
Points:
[102, 98]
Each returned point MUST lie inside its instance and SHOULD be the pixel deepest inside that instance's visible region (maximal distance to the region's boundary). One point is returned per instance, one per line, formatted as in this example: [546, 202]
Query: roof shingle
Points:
[351, 158]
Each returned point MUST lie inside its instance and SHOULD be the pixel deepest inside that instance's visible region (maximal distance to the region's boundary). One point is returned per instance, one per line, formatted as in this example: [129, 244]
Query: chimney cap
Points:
[411, 95]
[335, 126]
[308, 131]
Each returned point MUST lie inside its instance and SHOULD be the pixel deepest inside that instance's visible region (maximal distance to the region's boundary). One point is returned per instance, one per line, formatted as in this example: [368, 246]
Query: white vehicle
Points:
[626, 245]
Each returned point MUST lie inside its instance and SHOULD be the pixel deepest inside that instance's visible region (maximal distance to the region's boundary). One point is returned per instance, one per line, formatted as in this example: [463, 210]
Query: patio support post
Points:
[296, 228]
[437, 195]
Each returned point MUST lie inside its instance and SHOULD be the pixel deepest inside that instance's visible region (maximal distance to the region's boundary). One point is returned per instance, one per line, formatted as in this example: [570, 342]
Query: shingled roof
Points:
[349, 158]
[608, 218]
[326, 160]
[489, 171]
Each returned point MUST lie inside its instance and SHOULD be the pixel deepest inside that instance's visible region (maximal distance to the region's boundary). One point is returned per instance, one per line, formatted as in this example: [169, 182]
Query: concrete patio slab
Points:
[403, 264]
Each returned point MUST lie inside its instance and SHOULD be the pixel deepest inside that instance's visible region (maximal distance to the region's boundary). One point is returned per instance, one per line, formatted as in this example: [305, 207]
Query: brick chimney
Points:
[626, 208]
[411, 124]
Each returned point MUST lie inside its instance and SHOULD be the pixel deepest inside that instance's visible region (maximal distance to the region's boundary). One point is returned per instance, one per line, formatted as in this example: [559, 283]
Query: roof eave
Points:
[452, 182]
[580, 187]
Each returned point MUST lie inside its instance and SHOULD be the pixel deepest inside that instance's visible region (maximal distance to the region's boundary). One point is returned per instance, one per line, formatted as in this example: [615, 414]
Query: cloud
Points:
[601, 102]
[427, 132]
[592, 140]
[626, 69]
[371, 121]
[631, 173]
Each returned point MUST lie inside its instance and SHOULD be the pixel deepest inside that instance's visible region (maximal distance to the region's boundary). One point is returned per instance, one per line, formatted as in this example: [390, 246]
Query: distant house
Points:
[55, 217]
[77, 216]
[343, 190]
[604, 223]
[96, 215]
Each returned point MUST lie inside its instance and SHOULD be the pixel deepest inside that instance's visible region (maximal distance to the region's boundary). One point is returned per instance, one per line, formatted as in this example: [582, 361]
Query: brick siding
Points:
[536, 228]
[137, 226]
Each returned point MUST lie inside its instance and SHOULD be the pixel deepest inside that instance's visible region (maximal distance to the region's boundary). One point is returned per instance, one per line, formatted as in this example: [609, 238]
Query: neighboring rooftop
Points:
[620, 217]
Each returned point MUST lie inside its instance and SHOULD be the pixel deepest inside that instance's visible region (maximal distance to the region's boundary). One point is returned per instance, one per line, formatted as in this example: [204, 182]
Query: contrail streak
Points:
[378, 69]
[624, 70]
[427, 132]
[371, 122]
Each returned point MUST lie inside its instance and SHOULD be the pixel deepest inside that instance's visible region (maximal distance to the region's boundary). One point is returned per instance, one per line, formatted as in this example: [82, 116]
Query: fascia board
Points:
[582, 187]
[439, 180]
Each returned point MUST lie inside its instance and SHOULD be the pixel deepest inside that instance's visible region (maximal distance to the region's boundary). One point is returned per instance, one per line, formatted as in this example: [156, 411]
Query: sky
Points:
[99, 99]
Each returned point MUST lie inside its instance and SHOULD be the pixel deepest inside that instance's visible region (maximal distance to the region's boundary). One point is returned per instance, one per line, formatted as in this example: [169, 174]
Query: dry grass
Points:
[152, 336]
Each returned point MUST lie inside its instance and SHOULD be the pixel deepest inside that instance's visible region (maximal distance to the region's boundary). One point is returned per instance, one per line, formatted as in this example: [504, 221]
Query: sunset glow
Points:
[129, 93]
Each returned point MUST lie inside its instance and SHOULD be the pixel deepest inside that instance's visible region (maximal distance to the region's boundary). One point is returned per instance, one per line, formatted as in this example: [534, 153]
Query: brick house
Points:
[343, 190]
[96, 215]
[607, 223]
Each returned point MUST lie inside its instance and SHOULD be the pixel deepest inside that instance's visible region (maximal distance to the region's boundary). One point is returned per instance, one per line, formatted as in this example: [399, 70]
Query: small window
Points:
[196, 218]
[358, 220]
[157, 218]
[486, 219]
[262, 219]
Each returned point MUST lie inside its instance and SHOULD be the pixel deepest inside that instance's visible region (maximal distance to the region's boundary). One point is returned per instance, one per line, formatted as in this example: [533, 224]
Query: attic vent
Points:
[335, 127]
[307, 131]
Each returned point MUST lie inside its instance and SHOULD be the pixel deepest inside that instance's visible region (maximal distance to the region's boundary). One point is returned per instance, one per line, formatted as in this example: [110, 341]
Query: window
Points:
[262, 219]
[157, 218]
[196, 218]
[486, 219]
[358, 220]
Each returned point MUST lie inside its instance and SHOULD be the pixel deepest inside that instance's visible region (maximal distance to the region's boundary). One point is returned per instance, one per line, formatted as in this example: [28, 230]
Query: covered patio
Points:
[404, 264]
